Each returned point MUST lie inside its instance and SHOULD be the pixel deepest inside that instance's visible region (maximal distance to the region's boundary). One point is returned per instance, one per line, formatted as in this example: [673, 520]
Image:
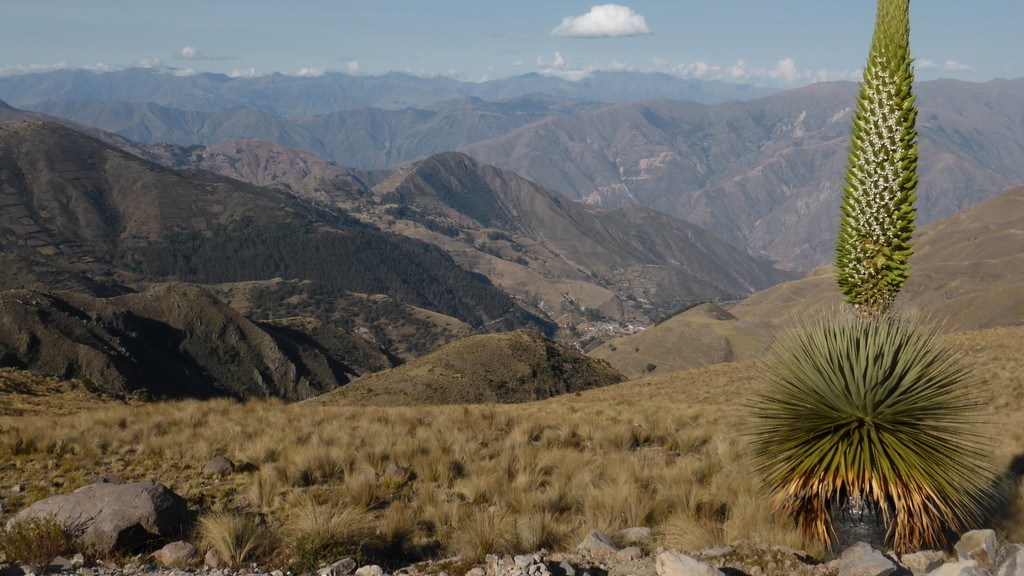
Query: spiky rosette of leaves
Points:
[878, 213]
[875, 409]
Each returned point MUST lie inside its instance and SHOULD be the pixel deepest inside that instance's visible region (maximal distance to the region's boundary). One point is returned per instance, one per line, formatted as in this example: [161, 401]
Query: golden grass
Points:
[665, 452]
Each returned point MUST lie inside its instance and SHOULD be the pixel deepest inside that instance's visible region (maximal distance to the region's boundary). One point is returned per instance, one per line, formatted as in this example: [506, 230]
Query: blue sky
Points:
[766, 42]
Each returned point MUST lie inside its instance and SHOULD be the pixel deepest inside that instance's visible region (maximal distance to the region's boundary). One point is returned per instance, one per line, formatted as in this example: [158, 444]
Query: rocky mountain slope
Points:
[70, 198]
[78, 214]
[967, 273]
[629, 264]
[175, 341]
[767, 174]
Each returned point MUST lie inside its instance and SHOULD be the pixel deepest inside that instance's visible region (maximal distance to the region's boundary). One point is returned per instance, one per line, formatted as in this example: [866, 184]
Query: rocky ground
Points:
[976, 554]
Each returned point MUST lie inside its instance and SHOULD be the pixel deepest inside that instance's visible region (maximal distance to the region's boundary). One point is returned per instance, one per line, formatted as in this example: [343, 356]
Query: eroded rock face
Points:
[109, 517]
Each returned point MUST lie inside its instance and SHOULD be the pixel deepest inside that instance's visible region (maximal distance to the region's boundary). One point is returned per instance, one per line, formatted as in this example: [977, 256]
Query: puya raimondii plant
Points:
[877, 217]
[873, 410]
[869, 407]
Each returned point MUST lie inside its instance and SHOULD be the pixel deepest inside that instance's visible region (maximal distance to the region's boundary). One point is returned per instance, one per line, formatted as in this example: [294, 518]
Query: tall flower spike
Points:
[877, 217]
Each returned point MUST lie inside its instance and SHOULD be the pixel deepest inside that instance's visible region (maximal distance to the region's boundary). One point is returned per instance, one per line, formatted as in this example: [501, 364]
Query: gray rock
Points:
[638, 536]
[921, 563]
[108, 517]
[219, 466]
[964, 568]
[60, 564]
[214, 560]
[526, 560]
[343, 567]
[978, 545]
[1010, 560]
[476, 571]
[370, 570]
[567, 568]
[177, 554]
[629, 553]
[673, 563]
[597, 543]
[863, 560]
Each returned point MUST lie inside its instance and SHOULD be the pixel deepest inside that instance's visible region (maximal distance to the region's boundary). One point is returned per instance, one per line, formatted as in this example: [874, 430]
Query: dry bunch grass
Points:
[666, 452]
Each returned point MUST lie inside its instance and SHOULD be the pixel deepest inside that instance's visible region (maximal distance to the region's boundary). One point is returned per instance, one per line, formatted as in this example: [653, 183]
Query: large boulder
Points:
[108, 517]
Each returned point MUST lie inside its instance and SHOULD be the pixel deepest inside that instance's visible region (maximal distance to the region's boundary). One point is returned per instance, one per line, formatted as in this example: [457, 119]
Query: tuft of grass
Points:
[318, 532]
[238, 538]
[483, 531]
[36, 541]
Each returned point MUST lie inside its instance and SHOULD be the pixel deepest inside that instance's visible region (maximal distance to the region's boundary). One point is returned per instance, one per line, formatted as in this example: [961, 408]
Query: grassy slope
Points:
[665, 451]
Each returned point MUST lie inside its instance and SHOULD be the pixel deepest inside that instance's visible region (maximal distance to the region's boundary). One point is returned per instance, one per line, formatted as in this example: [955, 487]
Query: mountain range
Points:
[765, 174]
[281, 95]
[445, 247]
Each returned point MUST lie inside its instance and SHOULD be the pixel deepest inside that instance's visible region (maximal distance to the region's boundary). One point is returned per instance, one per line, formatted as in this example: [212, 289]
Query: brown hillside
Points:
[513, 367]
[967, 273]
[174, 341]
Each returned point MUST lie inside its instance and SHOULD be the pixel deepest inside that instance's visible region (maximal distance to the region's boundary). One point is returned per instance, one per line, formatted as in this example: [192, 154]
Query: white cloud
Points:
[250, 73]
[311, 72]
[193, 53]
[785, 72]
[604, 21]
[185, 73]
[17, 69]
[352, 66]
[954, 66]
[149, 63]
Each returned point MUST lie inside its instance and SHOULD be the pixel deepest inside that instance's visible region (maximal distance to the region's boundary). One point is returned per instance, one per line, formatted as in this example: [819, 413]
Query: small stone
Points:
[219, 466]
[59, 564]
[370, 570]
[717, 551]
[213, 559]
[863, 560]
[673, 563]
[18, 488]
[757, 571]
[637, 536]
[921, 563]
[567, 569]
[965, 568]
[476, 571]
[524, 561]
[1010, 560]
[277, 573]
[630, 553]
[343, 567]
[598, 544]
[177, 554]
[78, 560]
[978, 545]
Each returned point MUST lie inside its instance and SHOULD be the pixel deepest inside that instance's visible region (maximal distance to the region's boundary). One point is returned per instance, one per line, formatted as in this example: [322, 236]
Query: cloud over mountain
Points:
[604, 21]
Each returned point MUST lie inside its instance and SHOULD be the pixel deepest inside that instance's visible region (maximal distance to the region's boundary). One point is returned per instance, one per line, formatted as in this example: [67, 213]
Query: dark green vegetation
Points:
[878, 211]
[875, 411]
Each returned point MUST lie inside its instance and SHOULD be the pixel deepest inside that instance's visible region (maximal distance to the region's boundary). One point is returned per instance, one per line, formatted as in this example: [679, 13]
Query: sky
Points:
[778, 43]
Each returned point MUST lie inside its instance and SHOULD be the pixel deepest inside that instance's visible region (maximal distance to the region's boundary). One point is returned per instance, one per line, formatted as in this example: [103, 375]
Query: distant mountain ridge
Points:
[767, 174]
[281, 95]
[763, 174]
